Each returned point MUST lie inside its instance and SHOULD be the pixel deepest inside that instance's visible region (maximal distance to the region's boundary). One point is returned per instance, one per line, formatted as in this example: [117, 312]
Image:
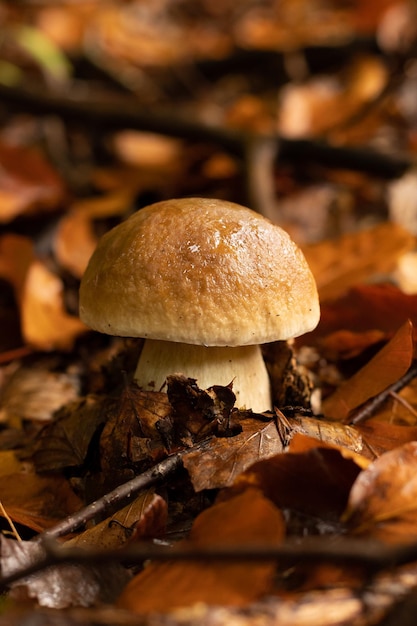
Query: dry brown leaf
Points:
[45, 323]
[74, 242]
[62, 586]
[218, 463]
[37, 502]
[35, 393]
[28, 183]
[9, 463]
[353, 258]
[64, 442]
[246, 518]
[384, 369]
[131, 523]
[315, 483]
[383, 501]
[379, 306]
[382, 436]
[329, 433]
[302, 443]
[75, 239]
[16, 256]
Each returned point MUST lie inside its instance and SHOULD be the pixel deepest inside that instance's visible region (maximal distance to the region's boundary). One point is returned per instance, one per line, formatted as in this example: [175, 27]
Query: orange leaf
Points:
[365, 307]
[45, 323]
[315, 483]
[383, 500]
[246, 518]
[339, 264]
[27, 183]
[385, 368]
[37, 502]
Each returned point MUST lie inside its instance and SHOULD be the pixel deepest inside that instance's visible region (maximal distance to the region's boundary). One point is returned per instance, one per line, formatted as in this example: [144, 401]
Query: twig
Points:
[126, 112]
[372, 556]
[368, 408]
[10, 522]
[119, 495]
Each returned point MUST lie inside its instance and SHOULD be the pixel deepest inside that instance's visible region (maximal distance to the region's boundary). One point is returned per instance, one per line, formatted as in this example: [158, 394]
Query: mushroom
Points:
[204, 282]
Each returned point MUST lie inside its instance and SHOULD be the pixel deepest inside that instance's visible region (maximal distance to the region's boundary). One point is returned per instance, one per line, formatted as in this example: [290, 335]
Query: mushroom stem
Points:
[242, 365]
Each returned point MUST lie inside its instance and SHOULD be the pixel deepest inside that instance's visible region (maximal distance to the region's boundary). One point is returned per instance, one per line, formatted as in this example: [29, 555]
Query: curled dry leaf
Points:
[384, 369]
[45, 322]
[39, 293]
[246, 518]
[383, 500]
[315, 483]
[74, 242]
[75, 239]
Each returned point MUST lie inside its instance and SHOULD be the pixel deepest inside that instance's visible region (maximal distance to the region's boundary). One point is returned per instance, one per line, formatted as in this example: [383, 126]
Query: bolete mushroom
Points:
[204, 282]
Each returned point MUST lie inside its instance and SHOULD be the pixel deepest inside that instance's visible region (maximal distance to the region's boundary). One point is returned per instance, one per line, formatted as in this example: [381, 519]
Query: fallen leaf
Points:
[35, 393]
[62, 586]
[45, 323]
[144, 518]
[16, 256]
[64, 442]
[366, 307]
[316, 483]
[131, 436]
[74, 242]
[339, 264]
[9, 463]
[219, 462]
[347, 439]
[302, 443]
[37, 502]
[75, 238]
[383, 501]
[246, 518]
[385, 368]
[28, 183]
[382, 436]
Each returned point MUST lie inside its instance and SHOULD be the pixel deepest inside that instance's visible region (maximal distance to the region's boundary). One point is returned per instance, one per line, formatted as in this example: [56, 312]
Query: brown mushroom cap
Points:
[199, 271]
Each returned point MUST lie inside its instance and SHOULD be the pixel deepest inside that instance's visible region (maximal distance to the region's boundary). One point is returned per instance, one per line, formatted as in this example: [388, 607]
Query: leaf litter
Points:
[75, 428]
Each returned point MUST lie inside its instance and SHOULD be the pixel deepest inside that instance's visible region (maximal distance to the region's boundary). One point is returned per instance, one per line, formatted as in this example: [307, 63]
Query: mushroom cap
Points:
[199, 271]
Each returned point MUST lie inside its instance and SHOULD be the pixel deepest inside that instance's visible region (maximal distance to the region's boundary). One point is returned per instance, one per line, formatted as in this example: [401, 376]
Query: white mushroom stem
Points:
[242, 365]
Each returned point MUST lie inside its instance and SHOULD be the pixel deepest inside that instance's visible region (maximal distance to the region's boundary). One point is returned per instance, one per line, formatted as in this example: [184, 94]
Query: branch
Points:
[118, 496]
[372, 556]
[114, 113]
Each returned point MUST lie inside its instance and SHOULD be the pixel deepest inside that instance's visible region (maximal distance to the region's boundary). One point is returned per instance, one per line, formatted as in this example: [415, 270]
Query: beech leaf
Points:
[384, 369]
[383, 500]
[246, 518]
[218, 463]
